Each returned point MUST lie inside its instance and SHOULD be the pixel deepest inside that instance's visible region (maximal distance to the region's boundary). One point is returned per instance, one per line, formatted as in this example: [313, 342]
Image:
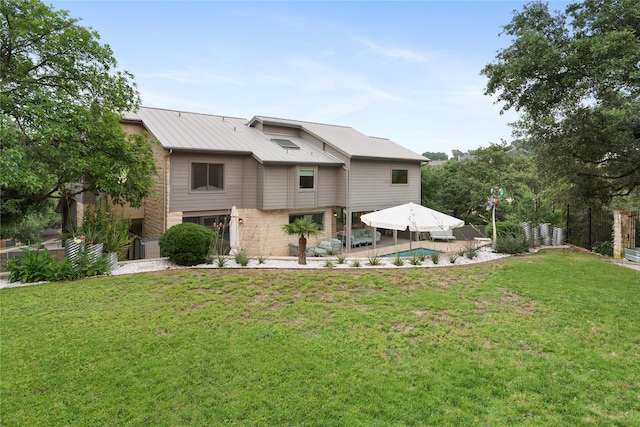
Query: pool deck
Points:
[387, 246]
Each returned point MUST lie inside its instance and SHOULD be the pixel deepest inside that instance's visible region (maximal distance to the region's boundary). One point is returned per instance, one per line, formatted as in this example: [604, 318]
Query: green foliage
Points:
[86, 266]
[605, 248]
[32, 266]
[61, 100]
[435, 156]
[28, 226]
[573, 77]
[220, 260]
[186, 243]
[262, 259]
[460, 188]
[504, 228]
[415, 259]
[242, 258]
[341, 258]
[38, 265]
[302, 228]
[356, 263]
[512, 243]
[435, 257]
[469, 251]
[453, 258]
[373, 258]
[328, 263]
[398, 260]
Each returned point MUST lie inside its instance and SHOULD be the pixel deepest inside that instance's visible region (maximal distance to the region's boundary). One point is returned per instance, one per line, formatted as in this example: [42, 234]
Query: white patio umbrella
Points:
[234, 232]
[412, 216]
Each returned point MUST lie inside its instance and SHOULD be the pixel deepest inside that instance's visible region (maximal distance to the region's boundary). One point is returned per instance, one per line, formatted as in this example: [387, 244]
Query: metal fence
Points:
[588, 227]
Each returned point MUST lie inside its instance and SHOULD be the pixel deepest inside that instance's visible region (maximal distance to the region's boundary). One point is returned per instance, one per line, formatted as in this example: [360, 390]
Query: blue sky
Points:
[407, 71]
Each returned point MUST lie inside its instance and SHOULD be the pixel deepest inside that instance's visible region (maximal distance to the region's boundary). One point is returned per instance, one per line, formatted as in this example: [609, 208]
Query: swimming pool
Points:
[415, 251]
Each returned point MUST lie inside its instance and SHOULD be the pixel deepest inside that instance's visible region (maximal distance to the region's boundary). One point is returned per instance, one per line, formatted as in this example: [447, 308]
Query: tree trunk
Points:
[302, 250]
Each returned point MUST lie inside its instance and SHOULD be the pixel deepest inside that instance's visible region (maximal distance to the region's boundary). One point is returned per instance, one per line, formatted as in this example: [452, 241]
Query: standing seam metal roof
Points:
[180, 130]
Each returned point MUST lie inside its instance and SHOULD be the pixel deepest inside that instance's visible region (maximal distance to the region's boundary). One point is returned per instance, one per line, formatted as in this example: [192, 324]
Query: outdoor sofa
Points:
[442, 235]
[360, 237]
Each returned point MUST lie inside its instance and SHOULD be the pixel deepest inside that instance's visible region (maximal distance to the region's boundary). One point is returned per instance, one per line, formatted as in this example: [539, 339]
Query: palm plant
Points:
[303, 228]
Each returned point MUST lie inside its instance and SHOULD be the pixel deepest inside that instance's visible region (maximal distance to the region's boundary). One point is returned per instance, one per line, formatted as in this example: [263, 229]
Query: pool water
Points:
[411, 252]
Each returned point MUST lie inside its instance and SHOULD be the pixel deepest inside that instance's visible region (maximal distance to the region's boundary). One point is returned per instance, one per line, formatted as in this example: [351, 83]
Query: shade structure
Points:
[234, 232]
[412, 216]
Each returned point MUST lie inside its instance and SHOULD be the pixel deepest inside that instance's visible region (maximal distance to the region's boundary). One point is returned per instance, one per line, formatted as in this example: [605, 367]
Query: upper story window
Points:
[399, 176]
[307, 178]
[207, 176]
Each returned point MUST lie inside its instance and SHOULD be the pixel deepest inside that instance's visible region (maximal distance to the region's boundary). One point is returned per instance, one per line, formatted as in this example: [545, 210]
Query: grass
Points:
[546, 339]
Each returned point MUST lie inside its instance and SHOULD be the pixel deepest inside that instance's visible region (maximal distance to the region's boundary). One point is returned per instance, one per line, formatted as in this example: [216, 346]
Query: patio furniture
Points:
[360, 237]
[311, 251]
[331, 246]
[442, 235]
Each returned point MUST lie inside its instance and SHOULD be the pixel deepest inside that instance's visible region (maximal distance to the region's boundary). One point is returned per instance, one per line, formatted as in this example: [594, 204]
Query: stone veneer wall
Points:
[261, 232]
[623, 237]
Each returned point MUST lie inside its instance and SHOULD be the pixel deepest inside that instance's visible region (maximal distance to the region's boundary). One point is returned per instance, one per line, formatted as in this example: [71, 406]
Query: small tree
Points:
[304, 228]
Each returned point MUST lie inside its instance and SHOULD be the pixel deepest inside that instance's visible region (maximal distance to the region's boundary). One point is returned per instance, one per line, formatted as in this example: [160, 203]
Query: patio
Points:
[387, 246]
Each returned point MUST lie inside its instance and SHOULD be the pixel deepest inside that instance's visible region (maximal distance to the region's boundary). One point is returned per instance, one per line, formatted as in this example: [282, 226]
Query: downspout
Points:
[164, 189]
[347, 241]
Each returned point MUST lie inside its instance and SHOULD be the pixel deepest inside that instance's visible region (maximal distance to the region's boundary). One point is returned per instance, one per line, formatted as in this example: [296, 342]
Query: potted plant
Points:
[116, 237]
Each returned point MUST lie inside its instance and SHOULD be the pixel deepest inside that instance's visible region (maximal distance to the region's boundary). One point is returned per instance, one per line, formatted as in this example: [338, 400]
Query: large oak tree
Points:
[574, 76]
[61, 100]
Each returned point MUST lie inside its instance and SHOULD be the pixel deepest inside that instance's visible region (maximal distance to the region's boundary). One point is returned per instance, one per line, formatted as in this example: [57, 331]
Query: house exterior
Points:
[273, 170]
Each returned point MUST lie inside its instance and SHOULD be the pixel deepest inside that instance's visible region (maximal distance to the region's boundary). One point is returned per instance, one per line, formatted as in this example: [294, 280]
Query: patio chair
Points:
[331, 246]
[311, 251]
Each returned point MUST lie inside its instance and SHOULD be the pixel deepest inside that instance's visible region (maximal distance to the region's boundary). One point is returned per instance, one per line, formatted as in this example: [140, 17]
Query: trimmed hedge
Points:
[186, 243]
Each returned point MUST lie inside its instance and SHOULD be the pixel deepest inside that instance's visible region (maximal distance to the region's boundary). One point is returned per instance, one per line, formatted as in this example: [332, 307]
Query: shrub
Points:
[512, 244]
[356, 263]
[242, 258]
[470, 252]
[398, 260]
[604, 248]
[341, 258]
[38, 265]
[328, 264]
[220, 260]
[503, 228]
[415, 259]
[435, 257]
[33, 266]
[186, 243]
[374, 258]
[453, 258]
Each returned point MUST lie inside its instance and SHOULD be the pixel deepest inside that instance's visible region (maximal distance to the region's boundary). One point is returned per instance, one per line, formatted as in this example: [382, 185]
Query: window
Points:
[399, 176]
[307, 178]
[207, 176]
[318, 218]
[285, 143]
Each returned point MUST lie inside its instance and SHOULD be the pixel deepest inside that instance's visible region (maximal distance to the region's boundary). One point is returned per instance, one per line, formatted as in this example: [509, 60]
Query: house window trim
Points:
[315, 178]
[207, 190]
[394, 184]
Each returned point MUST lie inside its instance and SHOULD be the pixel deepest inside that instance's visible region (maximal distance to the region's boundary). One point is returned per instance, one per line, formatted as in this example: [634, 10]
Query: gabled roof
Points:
[347, 140]
[179, 130]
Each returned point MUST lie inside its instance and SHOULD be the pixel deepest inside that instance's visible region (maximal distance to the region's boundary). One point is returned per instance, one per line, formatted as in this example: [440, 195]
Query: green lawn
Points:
[546, 339]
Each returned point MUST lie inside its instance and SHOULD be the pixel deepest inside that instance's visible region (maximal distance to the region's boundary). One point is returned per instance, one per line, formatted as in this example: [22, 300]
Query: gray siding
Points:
[371, 187]
[280, 188]
[182, 199]
[276, 187]
[327, 186]
[250, 183]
